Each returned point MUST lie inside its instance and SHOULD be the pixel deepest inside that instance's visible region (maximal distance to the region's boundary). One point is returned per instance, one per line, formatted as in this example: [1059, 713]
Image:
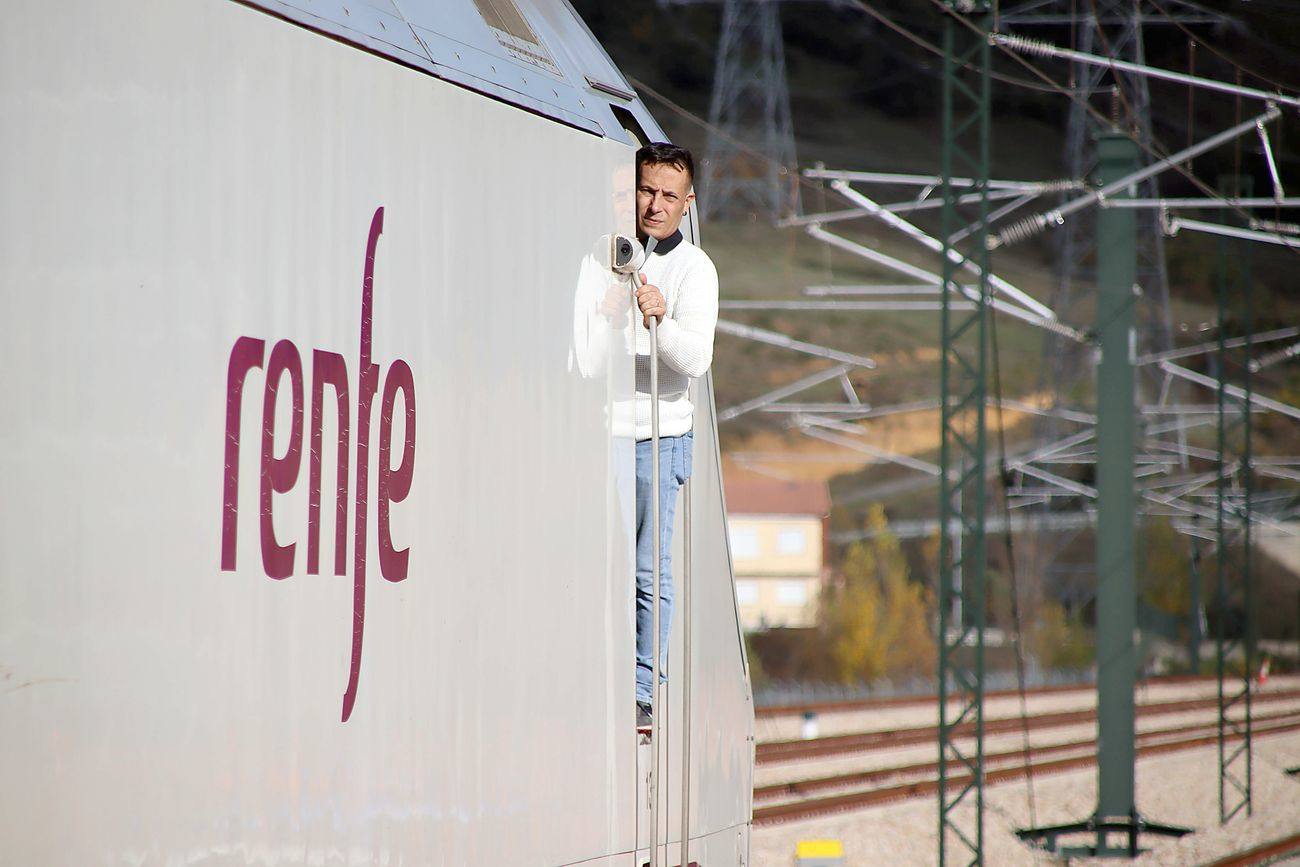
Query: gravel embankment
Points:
[1179, 789]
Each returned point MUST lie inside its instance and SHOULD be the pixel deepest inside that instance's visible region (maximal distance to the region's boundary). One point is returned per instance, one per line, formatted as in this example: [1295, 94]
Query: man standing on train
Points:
[680, 289]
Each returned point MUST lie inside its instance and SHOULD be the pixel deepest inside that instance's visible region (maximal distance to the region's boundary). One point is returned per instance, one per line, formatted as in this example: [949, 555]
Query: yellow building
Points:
[777, 539]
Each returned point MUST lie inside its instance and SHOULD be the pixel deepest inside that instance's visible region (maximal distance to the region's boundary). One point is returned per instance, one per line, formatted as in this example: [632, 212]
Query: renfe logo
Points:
[280, 474]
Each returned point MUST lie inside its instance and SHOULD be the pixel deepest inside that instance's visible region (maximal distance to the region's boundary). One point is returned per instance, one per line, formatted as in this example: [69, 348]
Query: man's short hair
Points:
[664, 153]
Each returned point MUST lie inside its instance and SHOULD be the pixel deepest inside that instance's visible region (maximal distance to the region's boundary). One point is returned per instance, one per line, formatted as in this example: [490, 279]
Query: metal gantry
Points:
[962, 378]
[1234, 597]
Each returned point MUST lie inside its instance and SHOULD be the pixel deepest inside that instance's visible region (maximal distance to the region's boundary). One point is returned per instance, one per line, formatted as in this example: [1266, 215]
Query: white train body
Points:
[282, 583]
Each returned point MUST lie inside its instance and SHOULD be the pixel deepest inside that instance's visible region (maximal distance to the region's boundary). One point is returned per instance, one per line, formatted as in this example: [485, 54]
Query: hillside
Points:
[864, 98]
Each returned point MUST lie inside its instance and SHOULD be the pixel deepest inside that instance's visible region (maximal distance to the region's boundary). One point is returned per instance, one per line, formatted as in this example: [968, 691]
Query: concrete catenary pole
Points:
[1116, 513]
[1116, 341]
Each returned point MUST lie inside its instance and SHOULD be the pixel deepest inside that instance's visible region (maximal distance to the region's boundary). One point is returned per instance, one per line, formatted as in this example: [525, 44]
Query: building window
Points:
[792, 593]
[744, 543]
[746, 593]
[791, 542]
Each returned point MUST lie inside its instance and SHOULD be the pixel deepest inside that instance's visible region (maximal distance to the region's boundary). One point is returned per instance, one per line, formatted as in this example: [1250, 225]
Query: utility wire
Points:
[1018, 644]
[708, 127]
[1192, 37]
[1105, 121]
[1118, 90]
[923, 43]
[1050, 85]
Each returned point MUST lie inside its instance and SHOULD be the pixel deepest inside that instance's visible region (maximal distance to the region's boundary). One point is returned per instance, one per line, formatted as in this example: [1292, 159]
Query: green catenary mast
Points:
[963, 369]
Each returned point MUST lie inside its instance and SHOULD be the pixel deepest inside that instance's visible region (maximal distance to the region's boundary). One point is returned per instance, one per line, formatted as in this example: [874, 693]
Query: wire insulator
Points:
[1272, 358]
[1039, 47]
[1022, 229]
[1062, 186]
[1274, 226]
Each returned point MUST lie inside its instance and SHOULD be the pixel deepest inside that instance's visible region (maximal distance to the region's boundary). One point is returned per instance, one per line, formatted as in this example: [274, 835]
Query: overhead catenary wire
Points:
[926, 45]
[1158, 5]
[1042, 48]
[1037, 223]
[1050, 84]
[1082, 102]
[1018, 642]
[694, 118]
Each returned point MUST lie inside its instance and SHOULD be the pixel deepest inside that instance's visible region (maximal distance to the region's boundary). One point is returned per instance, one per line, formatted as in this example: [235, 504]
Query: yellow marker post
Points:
[818, 853]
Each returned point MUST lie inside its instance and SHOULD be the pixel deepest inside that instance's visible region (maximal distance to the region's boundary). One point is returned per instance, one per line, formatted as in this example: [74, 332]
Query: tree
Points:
[1166, 569]
[875, 619]
[1059, 640]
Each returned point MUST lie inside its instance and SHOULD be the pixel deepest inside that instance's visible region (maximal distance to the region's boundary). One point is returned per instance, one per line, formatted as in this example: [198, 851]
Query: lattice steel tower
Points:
[749, 164]
[963, 379]
[1114, 28]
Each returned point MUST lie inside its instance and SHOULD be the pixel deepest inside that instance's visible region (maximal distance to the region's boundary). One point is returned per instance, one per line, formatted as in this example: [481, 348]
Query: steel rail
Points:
[772, 752]
[1260, 854]
[874, 775]
[861, 704]
[922, 788]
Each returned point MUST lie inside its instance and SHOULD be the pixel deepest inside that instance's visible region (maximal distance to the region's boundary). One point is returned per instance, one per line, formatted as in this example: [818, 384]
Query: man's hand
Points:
[651, 302]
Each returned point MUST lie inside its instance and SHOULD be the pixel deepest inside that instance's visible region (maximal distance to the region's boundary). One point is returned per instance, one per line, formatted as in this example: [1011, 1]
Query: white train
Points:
[316, 533]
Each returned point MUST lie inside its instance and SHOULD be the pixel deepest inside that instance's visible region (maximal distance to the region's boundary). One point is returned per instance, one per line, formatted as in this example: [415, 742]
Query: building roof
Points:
[748, 493]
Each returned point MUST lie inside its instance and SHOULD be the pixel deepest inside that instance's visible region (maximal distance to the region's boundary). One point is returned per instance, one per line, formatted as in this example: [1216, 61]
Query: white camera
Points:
[626, 255]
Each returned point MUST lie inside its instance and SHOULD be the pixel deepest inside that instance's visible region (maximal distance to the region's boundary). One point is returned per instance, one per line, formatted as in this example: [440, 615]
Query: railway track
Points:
[1261, 854]
[878, 775]
[853, 705]
[794, 750]
[810, 807]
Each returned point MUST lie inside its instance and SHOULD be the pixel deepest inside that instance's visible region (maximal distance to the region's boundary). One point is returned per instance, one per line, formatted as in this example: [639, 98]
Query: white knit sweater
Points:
[689, 283]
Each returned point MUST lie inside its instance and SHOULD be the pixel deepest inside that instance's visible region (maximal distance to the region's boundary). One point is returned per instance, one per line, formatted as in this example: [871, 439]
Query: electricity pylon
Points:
[1114, 28]
[749, 162]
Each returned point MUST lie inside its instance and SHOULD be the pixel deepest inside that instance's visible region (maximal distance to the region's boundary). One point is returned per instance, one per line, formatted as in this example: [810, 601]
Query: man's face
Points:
[663, 192]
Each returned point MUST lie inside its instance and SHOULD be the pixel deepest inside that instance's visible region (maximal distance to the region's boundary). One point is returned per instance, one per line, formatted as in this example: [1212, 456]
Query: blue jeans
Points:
[674, 470]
